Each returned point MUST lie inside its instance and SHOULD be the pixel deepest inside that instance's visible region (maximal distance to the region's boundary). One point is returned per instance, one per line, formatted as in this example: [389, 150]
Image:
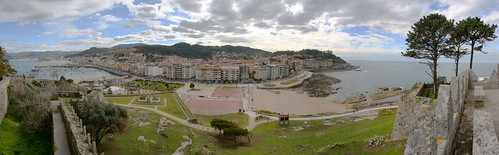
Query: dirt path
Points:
[181, 121]
[60, 140]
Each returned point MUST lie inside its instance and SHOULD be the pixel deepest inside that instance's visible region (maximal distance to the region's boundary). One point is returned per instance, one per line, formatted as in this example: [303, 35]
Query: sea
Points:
[25, 66]
[376, 74]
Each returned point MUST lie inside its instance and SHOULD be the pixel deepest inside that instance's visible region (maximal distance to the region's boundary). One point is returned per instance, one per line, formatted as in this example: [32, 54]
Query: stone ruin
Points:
[431, 128]
[163, 122]
[79, 140]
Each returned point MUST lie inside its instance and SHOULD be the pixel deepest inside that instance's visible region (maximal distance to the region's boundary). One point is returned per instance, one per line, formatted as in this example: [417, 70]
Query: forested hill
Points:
[312, 54]
[199, 51]
[196, 51]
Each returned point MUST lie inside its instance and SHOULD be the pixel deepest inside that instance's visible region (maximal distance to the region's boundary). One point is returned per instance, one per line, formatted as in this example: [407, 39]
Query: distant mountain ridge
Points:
[206, 52]
[45, 54]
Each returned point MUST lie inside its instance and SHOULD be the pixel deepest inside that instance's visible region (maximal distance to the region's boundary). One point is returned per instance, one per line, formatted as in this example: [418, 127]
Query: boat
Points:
[35, 69]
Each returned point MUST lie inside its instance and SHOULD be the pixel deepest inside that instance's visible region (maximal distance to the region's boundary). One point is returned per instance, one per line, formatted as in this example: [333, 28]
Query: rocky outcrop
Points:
[319, 85]
[4, 101]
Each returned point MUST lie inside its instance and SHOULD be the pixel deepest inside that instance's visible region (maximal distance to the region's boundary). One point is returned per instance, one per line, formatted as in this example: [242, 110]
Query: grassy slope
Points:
[242, 119]
[14, 140]
[273, 138]
[127, 143]
[288, 82]
[267, 138]
[172, 106]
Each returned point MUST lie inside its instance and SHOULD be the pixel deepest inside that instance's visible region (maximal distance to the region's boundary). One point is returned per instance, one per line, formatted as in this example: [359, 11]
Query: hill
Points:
[206, 52]
[314, 54]
[46, 54]
[195, 51]
[94, 50]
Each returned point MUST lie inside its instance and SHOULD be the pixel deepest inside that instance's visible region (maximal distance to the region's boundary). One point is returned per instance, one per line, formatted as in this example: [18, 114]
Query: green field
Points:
[269, 138]
[156, 85]
[172, 107]
[128, 143]
[119, 100]
[288, 82]
[14, 140]
[241, 118]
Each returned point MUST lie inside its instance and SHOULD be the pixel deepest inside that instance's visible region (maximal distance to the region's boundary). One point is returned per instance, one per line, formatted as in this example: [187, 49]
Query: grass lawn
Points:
[275, 139]
[119, 100]
[172, 106]
[14, 140]
[241, 118]
[269, 138]
[288, 82]
[128, 143]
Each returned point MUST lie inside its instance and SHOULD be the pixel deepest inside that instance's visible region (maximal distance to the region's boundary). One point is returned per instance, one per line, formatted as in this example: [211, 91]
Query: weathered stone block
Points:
[422, 138]
[484, 134]
[479, 95]
[493, 76]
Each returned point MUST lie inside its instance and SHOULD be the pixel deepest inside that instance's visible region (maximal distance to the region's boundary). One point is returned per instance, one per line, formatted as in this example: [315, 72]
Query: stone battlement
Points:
[79, 140]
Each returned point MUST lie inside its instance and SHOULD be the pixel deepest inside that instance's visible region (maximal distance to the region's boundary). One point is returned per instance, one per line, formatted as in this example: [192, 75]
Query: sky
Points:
[365, 29]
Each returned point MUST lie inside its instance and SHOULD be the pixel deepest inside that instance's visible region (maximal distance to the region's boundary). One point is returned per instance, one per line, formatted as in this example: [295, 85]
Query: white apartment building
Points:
[153, 71]
[179, 72]
[218, 74]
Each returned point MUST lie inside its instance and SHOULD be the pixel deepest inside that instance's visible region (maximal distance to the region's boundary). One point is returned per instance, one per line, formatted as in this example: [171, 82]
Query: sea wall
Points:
[4, 101]
[430, 128]
[79, 140]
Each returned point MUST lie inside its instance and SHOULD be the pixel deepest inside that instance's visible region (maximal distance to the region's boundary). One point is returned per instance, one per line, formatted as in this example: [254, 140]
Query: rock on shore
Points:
[319, 85]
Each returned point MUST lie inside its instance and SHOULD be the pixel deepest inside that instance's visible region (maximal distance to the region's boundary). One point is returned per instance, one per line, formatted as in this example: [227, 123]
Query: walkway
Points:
[60, 140]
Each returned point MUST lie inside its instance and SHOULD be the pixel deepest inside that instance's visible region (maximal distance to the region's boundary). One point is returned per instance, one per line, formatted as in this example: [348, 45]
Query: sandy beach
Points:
[288, 101]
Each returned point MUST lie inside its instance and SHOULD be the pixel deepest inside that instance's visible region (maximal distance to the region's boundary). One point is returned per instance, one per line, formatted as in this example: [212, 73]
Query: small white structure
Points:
[115, 90]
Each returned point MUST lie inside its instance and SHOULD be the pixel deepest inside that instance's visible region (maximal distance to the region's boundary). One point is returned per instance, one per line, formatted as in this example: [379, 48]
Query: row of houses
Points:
[219, 74]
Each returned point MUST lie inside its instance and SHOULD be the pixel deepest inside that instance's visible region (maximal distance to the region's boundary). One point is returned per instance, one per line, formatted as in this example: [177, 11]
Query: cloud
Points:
[169, 36]
[110, 18]
[50, 24]
[193, 6]
[48, 33]
[89, 42]
[131, 37]
[72, 19]
[227, 39]
[24, 10]
[195, 35]
[72, 32]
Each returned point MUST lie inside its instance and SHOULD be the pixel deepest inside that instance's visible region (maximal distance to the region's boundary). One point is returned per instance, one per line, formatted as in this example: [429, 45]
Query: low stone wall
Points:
[484, 134]
[79, 140]
[4, 101]
[430, 128]
[405, 112]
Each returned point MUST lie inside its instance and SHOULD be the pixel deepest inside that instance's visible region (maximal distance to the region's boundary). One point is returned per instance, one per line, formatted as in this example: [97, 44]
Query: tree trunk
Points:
[471, 59]
[457, 65]
[435, 78]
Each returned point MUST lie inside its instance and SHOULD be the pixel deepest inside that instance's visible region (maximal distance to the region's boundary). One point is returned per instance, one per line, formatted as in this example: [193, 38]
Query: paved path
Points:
[131, 101]
[60, 140]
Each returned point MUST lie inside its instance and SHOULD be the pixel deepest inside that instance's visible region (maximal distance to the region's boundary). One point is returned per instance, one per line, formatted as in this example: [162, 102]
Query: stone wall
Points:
[79, 140]
[405, 112]
[4, 101]
[430, 128]
[484, 134]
